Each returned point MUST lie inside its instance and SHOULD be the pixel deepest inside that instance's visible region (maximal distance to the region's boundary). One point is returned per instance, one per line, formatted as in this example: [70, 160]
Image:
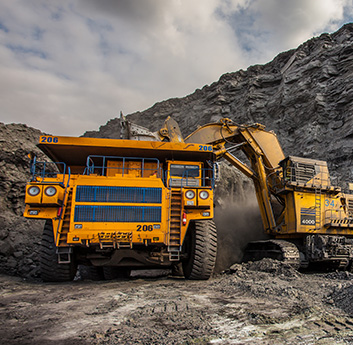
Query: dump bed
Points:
[73, 151]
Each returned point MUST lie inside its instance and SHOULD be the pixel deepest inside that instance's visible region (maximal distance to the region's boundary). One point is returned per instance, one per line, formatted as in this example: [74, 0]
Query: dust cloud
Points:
[238, 222]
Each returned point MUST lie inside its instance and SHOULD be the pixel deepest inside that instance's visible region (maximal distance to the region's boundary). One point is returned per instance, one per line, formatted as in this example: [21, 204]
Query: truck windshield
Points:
[182, 170]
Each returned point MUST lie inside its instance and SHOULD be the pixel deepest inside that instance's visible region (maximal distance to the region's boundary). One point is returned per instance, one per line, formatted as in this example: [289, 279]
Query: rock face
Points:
[305, 95]
[19, 238]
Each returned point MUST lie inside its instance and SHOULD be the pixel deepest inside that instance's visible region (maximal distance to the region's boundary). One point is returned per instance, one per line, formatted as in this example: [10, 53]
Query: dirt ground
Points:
[265, 302]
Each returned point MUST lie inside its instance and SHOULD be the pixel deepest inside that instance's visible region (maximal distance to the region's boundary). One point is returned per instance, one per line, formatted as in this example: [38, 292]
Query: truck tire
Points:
[201, 247]
[51, 270]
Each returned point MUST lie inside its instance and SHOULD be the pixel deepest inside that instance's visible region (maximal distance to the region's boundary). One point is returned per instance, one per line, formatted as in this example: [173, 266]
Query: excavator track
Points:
[281, 250]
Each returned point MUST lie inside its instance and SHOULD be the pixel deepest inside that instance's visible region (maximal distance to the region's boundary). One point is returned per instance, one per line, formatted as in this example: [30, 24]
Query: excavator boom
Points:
[254, 137]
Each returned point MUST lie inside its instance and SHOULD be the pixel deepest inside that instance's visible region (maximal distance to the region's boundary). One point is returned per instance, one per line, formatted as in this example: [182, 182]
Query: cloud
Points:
[298, 19]
[136, 12]
[72, 65]
[264, 28]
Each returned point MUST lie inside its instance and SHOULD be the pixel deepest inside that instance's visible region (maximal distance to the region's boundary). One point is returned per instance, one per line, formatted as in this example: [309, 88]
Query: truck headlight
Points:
[50, 191]
[204, 195]
[33, 191]
[190, 194]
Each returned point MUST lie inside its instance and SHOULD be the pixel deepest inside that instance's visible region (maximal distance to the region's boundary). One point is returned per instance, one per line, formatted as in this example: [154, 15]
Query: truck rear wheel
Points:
[202, 250]
[51, 270]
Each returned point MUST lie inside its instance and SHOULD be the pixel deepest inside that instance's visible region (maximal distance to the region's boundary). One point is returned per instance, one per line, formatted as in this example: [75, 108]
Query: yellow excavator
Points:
[308, 218]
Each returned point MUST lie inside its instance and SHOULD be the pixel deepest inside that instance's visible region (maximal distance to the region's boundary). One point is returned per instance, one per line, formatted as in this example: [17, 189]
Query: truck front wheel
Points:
[51, 270]
[201, 246]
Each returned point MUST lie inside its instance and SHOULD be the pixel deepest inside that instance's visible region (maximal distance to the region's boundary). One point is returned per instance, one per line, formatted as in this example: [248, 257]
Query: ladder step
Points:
[64, 255]
[174, 256]
[106, 245]
[317, 209]
[65, 223]
[174, 247]
[124, 245]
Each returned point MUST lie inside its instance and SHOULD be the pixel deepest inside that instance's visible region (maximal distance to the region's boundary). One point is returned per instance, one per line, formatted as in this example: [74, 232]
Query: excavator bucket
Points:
[171, 131]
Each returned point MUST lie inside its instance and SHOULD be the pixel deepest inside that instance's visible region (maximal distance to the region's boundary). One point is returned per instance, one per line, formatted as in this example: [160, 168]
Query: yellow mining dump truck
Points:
[308, 217]
[118, 205]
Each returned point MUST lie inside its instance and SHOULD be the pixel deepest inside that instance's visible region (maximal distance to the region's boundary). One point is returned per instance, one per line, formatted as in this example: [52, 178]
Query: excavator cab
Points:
[305, 172]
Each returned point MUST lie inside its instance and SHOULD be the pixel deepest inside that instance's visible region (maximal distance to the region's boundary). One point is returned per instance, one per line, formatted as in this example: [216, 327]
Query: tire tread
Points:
[202, 258]
[51, 270]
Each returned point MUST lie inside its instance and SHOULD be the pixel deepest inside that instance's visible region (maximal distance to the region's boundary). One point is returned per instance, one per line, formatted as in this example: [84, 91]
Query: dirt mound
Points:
[340, 275]
[343, 298]
[267, 265]
[19, 237]
[272, 266]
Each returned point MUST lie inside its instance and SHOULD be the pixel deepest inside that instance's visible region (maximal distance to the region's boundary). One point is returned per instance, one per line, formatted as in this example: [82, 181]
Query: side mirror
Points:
[32, 163]
[216, 172]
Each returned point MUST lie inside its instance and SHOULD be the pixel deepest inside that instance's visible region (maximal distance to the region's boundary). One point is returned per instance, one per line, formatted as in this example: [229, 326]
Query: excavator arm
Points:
[262, 149]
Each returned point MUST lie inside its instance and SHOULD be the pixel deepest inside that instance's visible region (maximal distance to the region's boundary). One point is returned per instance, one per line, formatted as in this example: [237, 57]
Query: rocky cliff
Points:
[19, 238]
[305, 95]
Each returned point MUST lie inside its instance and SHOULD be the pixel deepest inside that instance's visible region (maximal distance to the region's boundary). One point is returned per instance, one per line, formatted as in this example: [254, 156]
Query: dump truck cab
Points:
[123, 204]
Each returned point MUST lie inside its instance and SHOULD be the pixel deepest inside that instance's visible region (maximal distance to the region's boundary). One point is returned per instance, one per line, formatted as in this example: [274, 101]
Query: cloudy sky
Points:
[68, 66]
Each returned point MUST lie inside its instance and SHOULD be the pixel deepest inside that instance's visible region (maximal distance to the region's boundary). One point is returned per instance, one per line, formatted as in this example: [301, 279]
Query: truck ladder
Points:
[317, 209]
[175, 226]
[64, 224]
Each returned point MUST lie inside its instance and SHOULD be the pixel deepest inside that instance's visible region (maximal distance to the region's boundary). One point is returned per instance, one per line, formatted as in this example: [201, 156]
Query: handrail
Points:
[338, 216]
[69, 176]
[61, 212]
[294, 177]
[43, 172]
[91, 168]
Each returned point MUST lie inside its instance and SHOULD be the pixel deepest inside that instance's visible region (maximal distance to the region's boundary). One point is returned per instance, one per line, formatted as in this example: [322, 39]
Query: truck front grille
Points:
[118, 194]
[87, 213]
